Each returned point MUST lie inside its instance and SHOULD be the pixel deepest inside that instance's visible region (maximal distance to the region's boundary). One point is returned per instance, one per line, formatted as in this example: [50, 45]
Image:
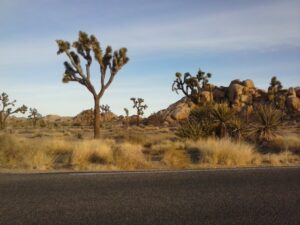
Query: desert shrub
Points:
[282, 158]
[176, 159]
[268, 122]
[190, 129]
[223, 152]
[130, 156]
[92, 152]
[197, 125]
[222, 116]
[206, 121]
[10, 151]
[281, 143]
[167, 145]
[237, 129]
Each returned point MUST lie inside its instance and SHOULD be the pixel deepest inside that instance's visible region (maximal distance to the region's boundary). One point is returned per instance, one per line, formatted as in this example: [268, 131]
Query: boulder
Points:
[206, 97]
[291, 92]
[293, 103]
[218, 95]
[246, 99]
[234, 92]
[297, 90]
[237, 81]
[249, 84]
[180, 110]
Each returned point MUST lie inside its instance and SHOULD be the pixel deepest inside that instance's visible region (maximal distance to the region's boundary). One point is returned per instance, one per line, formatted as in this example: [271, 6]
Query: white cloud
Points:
[255, 28]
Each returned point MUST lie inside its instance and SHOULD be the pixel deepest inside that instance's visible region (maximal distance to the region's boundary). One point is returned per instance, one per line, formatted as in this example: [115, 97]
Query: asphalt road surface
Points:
[237, 196]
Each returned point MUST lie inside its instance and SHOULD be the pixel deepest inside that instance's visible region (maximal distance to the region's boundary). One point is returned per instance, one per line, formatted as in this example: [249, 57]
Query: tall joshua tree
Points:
[6, 109]
[111, 62]
[138, 103]
[191, 86]
[34, 115]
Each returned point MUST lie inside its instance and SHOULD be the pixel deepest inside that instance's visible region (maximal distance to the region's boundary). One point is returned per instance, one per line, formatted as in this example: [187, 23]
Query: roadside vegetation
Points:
[233, 126]
[138, 153]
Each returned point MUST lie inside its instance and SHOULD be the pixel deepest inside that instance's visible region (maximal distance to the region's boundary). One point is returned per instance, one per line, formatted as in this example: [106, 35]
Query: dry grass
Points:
[45, 153]
[130, 156]
[87, 153]
[286, 143]
[223, 152]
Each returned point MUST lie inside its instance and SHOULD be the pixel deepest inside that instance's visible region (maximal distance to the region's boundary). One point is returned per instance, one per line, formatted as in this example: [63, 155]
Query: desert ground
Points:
[58, 146]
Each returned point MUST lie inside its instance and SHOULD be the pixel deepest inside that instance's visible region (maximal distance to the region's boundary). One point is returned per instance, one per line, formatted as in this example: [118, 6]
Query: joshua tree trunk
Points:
[138, 120]
[97, 117]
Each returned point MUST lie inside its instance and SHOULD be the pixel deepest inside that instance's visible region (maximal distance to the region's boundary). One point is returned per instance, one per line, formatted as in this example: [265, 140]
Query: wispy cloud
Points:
[262, 27]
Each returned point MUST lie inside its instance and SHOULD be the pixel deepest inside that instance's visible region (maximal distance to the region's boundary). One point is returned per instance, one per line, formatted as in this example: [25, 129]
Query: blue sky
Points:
[232, 39]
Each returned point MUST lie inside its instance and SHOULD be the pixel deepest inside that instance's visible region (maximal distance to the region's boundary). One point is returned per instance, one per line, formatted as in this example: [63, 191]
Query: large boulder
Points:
[218, 95]
[206, 97]
[180, 110]
[234, 92]
[291, 92]
[293, 103]
[249, 84]
[297, 90]
[108, 116]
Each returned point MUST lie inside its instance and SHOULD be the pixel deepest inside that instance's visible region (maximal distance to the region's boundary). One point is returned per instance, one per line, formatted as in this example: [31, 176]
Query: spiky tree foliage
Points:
[126, 116]
[126, 112]
[110, 62]
[7, 109]
[269, 121]
[138, 104]
[34, 116]
[105, 108]
[222, 116]
[273, 90]
[191, 86]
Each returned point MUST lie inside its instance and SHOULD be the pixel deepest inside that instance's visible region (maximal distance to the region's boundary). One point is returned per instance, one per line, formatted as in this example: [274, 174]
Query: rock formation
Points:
[241, 95]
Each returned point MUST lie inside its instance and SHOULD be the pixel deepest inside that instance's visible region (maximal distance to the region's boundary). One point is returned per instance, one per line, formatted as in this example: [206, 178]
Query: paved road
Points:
[246, 196]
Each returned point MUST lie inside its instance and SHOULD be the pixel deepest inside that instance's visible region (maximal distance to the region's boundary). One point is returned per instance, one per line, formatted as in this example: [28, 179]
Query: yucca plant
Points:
[198, 125]
[190, 129]
[238, 129]
[222, 116]
[269, 121]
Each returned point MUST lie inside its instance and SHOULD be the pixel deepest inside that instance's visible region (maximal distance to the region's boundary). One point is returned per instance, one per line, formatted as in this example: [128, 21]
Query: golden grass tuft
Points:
[177, 159]
[130, 156]
[224, 152]
[90, 152]
[286, 143]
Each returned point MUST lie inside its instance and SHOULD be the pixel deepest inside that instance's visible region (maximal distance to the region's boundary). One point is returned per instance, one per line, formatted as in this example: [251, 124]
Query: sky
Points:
[233, 39]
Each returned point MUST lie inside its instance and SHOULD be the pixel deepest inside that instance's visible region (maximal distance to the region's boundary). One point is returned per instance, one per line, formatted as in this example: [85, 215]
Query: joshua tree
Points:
[126, 116]
[6, 109]
[105, 108]
[34, 115]
[126, 112]
[140, 107]
[191, 86]
[109, 61]
[274, 88]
